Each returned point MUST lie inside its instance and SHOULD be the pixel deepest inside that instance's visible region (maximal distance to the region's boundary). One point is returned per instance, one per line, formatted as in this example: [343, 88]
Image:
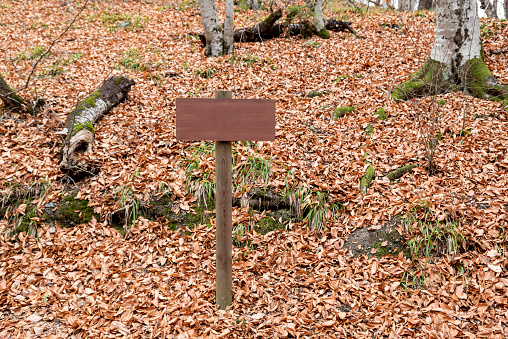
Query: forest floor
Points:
[91, 280]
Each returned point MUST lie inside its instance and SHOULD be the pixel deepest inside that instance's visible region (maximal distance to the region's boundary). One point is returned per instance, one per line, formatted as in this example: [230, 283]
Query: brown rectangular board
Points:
[225, 119]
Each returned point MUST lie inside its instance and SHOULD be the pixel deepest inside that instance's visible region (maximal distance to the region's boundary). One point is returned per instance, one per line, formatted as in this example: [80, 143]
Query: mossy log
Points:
[11, 100]
[261, 31]
[435, 78]
[367, 179]
[79, 126]
[399, 172]
[269, 29]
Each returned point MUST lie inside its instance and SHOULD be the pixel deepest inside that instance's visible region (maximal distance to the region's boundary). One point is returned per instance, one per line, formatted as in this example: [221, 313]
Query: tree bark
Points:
[319, 21]
[253, 4]
[212, 28]
[268, 29]
[407, 5]
[425, 5]
[506, 9]
[455, 62]
[261, 31]
[217, 41]
[490, 9]
[79, 126]
[229, 21]
[11, 100]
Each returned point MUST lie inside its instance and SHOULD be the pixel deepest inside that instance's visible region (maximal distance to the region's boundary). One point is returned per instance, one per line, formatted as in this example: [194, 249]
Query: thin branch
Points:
[49, 49]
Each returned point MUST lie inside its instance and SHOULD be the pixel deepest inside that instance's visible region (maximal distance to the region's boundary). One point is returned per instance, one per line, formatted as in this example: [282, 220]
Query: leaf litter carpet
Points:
[89, 281]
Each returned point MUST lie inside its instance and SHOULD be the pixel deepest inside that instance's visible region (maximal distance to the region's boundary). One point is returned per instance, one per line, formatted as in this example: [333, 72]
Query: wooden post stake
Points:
[223, 208]
[224, 120]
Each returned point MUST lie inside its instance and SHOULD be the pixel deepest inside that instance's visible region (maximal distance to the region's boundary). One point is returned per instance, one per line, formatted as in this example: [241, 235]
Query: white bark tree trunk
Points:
[490, 9]
[229, 29]
[407, 5]
[455, 62]
[218, 42]
[457, 33]
[425, 5]
[253, 4]
[212, 28]
[318, 15]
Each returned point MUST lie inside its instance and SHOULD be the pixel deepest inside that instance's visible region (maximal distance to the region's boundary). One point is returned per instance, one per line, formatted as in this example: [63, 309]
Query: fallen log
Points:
[261, 31]
[79, 126]
[269, 29]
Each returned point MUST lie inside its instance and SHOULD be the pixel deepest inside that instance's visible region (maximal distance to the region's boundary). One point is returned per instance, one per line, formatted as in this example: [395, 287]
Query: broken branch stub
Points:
[79, 126]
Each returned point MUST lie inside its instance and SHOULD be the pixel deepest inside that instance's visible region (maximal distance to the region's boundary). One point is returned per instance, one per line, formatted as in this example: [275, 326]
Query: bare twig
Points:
[49, 49]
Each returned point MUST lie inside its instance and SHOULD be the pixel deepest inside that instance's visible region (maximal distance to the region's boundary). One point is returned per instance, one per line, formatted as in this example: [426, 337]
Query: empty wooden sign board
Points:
[224, 120]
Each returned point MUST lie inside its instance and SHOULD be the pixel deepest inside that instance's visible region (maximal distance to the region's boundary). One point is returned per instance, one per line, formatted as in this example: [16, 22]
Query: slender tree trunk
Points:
[407, 5]
[254, 4]
[425, 5]
[456, 61]
[11, 100]
[506, 9]
[319, 21]
[229, 29]
[490, 10]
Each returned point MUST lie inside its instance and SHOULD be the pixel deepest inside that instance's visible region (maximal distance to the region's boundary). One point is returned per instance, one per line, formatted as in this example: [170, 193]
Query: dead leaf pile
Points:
[89, 281]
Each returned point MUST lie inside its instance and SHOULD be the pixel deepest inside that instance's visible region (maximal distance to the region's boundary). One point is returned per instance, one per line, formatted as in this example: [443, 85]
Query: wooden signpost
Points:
[224, 119]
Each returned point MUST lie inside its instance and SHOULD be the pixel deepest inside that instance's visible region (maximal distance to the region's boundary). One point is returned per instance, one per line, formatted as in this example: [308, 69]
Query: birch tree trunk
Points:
[456, 61]
[490, 9]
[319, 21]
[79, 126]
[11, 100]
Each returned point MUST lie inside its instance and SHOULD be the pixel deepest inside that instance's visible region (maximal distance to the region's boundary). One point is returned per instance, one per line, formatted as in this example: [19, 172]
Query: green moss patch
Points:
[434, 78]
[323, 34]
[367, 179]
[271, 222]
[424, 81]
[340, 112]
[380, 113]
[369, 129]
[89, 101]
[71, 212]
